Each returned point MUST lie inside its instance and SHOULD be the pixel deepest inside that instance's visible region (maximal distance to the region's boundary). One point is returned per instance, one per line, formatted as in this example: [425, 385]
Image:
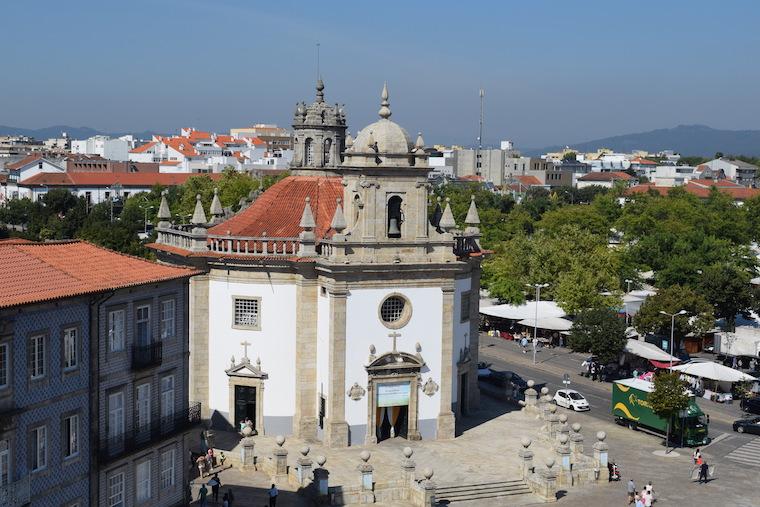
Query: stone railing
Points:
[242, 245]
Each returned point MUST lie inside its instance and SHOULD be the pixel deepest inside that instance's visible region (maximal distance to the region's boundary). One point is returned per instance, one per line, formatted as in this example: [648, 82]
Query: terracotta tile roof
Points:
[182, 145]
[256, 141]
[736, 193]
[716, 183]
[642, 161]
[24, 161]
[608, 176]
[15, 241]
[277, 212]
[104, 179]
[528, 180]
[471, 177]
[199, 135]
[143, 148]
[169, 162]
[3, 178]
[31, 273]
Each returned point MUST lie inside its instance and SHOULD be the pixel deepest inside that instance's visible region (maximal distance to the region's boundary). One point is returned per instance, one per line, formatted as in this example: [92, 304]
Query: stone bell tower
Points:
[319, 134]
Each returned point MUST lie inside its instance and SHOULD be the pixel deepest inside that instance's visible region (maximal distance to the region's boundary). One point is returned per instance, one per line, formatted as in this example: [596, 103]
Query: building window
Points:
[247, 313]
[39, 448]
[167, 398]
[167, 319]
[464, 307]
[115, 415]
[71, 436]
[143, 407]
[37, 357]
[309, 151]
[5, 462]
[142, 481]
[142, 325]
[116, 490]
[70, 354]
[116, 330]
[167, 469]
[395, 311]
[5, 363]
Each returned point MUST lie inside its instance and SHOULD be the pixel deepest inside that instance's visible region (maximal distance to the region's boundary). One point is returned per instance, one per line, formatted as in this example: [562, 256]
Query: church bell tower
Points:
[319, 134]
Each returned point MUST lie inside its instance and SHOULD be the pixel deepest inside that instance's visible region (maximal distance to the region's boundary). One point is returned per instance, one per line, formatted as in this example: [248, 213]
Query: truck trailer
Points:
[631, 408]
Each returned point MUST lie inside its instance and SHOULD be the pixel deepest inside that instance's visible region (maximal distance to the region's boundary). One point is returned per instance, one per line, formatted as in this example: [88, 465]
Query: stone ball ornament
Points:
[531, 384]
[576, 427]
[550, 462]
[552, 408]
[563, 418]
[601, 436]
[365, 455]
[525, 441]
[305, 450]
[321, 460]
[428, 473]
[408, 452]
[544, 391]
[563, 439]
[279, 440]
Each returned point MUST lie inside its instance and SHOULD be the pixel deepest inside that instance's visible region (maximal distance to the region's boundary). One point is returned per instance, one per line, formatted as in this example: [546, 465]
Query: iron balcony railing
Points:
[136, 438]
[145, 356]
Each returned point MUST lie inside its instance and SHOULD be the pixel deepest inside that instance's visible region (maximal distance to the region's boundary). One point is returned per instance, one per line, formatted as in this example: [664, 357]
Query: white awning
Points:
[550, 323]
[524, 311]
[648, 351]
[713, 371]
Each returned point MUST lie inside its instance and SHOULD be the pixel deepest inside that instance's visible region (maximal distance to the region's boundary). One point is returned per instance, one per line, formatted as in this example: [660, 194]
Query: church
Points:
[335, 306]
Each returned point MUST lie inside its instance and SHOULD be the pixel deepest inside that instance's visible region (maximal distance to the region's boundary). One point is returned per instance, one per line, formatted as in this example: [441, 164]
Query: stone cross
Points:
[245, 345]
[394, 335]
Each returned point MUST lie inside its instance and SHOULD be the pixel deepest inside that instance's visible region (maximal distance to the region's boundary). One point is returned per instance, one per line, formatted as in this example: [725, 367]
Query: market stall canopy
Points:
[550, 323]
[648, 351]
[713, 371]
[524, 311]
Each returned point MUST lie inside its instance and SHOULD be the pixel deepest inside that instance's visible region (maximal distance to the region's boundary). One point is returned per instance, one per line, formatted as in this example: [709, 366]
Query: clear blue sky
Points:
[553, 71]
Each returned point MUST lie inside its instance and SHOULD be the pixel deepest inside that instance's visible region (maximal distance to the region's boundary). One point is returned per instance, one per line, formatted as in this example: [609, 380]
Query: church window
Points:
[247, 312]
[309, 151]
[395, 311]
[464, 306]
[327, 151]
[395, 217]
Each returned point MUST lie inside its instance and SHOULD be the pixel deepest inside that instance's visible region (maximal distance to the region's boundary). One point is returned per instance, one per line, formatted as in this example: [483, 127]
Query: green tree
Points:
[668, 398]
[727, 287]
[570, 155]
[698, 318]
[599, 331]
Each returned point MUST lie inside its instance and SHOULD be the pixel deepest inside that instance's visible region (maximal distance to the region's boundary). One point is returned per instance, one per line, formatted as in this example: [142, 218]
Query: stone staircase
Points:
[481, 491]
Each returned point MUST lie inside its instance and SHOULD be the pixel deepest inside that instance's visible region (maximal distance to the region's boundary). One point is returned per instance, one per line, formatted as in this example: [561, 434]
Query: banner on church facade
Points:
[393, 394]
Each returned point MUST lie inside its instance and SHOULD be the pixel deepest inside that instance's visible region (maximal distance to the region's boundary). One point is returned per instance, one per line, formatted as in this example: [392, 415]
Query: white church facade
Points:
[335, 307]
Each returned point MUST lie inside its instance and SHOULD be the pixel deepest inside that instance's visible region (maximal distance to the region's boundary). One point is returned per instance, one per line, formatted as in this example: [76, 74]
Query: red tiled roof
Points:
[471, 177]
[31, 273]
[277, 212]
[256, 141]
[15, 241]
[24, 161]
[182, 145]
[169, 162]
[642, 161]
[199, 135]
[528, 180]
[608, 176]
[716, 183]
[736, 193]
[104, 179]
[143, 148]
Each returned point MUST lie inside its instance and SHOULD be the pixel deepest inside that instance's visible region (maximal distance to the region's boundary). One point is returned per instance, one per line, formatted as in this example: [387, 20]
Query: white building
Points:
[331, 308]
[105, 146]
[26, 168]
[739, 171]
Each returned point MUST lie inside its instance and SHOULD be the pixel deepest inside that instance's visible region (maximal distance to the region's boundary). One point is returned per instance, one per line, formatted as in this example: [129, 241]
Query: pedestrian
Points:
[210, 459]
[638, 501]
[650, 489]
[601, 373]
[215, 485]
[273, 496]
[222, 459]
[204, 444]
[609, 471]
[202, 495]
[646, 498]
[524, 344]
[631, 491]
[703, 469]
[201, 463]
[695, 455]
[593, 371]
[230, 496]
[225, 501]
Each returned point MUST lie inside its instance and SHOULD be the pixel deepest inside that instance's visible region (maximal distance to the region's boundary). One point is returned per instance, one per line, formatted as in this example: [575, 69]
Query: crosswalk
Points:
[748, 454]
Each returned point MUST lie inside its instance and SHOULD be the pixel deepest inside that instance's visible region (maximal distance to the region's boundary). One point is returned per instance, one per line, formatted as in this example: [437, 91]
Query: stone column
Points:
[337, 427]
[321, 479]
[600, 453]
[305, 419]
[474, 334]
[549, 482]
[428, 487]
[576, 440]
[367, 494]
[247, 448]
[531, 398]
[526, 457]
[552, 421]
[543, 405]
[408, 466]
[280, 460]
[198, 331]
[446, 421]
[563, 453]
[304, 467]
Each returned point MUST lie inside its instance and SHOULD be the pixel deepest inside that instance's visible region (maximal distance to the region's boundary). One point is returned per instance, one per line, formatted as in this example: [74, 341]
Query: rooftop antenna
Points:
[319, 75]
[480, 134]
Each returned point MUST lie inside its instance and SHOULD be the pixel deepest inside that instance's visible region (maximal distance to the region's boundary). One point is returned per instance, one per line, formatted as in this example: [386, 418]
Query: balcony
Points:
[135, 439]
[146, 356]
[16, 493]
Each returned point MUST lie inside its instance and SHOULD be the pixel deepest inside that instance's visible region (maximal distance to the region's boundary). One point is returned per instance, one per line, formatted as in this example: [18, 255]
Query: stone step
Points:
[481, 491]
[480, 485]
[465, 497]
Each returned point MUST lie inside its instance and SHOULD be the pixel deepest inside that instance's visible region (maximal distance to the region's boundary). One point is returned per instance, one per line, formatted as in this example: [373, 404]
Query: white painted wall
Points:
[274, 344]
[363, 328]
[461, 334]
[323, 349]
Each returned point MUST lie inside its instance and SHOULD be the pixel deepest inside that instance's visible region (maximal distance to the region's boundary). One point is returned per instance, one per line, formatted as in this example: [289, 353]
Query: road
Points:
[552, 364]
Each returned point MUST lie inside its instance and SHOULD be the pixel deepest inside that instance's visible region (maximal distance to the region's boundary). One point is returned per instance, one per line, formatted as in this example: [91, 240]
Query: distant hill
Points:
[684, 139]
[73, 132]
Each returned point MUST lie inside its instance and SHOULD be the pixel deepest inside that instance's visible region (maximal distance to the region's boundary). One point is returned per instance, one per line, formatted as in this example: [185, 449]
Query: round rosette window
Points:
[395, 311]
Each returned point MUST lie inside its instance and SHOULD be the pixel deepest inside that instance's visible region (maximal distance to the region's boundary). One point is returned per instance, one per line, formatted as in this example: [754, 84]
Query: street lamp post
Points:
[625, 303]
[672, 327]
[145, 221]
[538, 287]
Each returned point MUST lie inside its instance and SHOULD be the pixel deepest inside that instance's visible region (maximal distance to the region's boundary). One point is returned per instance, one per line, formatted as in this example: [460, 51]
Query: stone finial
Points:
[280, 440]
[216, 210]
[563, 418]
[563, 438]
[320, 90]
[552, 408]
[531, 383]
[420, 143]
[576, 427]
[408, 452]
[349, 140]
[544, 391]
[321, 460]
[307, 219]
[339, 220]
[199, 216]
[601, 436]
[365, 455]
[385, 110]
[447, 222]
[371, 140]
[525, 442]
[163, 209]
[428, 473]
[472, 213]
[550, 462]
[305, 450]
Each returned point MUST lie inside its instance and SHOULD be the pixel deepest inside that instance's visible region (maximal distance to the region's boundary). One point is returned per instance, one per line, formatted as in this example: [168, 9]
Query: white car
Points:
[570, 398]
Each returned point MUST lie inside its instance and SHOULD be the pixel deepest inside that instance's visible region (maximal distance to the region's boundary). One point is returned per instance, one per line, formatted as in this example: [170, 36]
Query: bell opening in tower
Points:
[394, 217]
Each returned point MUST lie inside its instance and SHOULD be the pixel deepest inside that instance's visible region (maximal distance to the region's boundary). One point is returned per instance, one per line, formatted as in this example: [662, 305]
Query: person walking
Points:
[593, 371]
[215, 485]
[696, 455]
[202, 495]
[703, 470]
[273, 496]
[638, 501]
[524, 344]
[631, 491]
[225, 501]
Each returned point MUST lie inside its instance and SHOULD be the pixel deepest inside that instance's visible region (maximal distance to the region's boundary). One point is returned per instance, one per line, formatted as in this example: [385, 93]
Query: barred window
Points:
[247, 312]
[465, 307]
[70, 349]
[167, 469]
[392, 309]
[116, 490]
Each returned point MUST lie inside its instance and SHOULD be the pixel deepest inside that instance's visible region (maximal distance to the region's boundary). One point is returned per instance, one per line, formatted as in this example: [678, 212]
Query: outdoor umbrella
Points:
[713, 371]
[524, 311]
[550, 323]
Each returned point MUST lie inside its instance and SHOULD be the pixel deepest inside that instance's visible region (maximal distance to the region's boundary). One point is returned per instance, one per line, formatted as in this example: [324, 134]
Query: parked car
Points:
[572, 399]
[751, 405]
[484, 369]
[751, 425]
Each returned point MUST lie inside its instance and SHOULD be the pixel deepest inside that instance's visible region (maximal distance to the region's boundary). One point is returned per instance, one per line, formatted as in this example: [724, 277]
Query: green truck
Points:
[630, 407]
